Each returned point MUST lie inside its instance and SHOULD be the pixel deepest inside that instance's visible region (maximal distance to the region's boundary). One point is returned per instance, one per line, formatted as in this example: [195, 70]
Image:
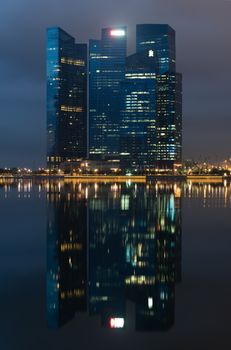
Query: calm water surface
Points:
[78, 259]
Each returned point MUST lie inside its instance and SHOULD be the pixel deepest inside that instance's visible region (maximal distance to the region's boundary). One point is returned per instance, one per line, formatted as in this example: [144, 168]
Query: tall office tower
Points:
[169, 119]
[138, 112]
[66, 98]
[160, 38]
[106, 69]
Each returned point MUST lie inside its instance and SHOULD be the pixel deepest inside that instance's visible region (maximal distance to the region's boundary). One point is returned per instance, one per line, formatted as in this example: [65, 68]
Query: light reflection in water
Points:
[108, 243]
[131, 244]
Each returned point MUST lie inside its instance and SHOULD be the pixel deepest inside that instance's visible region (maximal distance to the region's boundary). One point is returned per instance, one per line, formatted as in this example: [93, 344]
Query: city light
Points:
[116, 322]
[118, 32]
[150, 303]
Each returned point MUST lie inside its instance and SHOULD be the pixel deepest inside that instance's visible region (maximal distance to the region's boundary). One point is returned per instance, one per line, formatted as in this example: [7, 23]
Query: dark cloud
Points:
[203, 56]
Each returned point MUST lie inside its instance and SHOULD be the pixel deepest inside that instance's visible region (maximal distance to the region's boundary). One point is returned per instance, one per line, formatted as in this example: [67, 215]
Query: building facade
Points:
[138, 112]
[135, 102]
[169, 120]
[106, 71]
[66, 97]
[159, 40]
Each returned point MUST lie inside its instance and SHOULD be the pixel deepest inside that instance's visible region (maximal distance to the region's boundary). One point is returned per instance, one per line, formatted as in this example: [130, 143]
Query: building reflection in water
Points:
[66, 256]
[111, 243]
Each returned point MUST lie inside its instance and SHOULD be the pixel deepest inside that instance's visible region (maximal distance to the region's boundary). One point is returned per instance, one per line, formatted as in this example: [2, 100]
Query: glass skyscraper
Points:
[106, 71]
[135, 103]
[169, 119]
[66, 98]
[138, 112]
[159, 37]
[159, 40]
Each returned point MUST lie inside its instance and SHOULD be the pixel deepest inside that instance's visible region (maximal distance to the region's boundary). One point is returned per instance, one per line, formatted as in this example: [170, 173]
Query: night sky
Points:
[203, 30]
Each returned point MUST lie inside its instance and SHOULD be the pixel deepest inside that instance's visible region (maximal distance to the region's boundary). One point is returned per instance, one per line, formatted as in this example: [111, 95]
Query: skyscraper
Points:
[169, 119]
[159, 39]
[66, 97]
[106, 71]
[138, 112]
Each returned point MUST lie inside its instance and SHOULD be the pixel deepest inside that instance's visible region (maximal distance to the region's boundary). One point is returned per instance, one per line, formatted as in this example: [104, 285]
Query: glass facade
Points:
[135, 103]
[106, 71]
[66, 97]
[138, 112]
[169, 119]
[161, 38]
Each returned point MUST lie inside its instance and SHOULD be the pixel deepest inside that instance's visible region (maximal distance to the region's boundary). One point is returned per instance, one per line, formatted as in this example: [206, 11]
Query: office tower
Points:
[138, 112]
[169, 119]
[66, 98]
[159, 39]
[106, 71]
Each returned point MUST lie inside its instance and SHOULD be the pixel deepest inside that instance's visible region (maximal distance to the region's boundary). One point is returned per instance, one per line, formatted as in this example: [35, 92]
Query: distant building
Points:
[169, 120]
[160, 38]
[135, 103]
[92, 166]
[138, 110]
[151, 102]
[106, 71]
[66, 97]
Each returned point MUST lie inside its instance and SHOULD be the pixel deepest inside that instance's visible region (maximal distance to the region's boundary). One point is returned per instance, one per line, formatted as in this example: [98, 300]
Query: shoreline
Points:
[124, 178]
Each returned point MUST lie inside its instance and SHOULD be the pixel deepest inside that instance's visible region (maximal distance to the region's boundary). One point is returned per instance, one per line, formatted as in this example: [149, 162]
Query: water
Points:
[77, 259]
